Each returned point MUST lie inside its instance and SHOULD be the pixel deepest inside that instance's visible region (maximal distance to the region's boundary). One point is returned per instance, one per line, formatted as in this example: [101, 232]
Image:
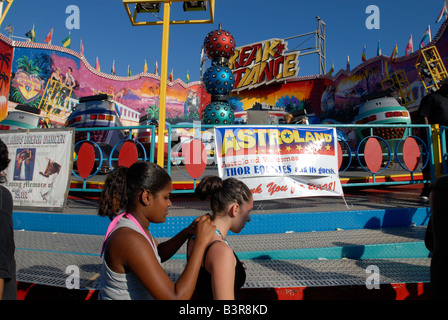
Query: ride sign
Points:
[263, 63]
[280, 162]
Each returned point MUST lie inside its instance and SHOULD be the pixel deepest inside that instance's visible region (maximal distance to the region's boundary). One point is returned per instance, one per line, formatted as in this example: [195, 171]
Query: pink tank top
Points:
[114, 223]
[126, 286]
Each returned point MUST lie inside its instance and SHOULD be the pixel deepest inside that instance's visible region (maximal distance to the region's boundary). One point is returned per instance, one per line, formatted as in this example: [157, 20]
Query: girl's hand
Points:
[205, 229]
[191, 229]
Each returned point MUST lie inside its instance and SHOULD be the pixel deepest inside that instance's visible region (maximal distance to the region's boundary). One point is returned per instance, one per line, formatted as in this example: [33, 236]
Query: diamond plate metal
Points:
[43, 258]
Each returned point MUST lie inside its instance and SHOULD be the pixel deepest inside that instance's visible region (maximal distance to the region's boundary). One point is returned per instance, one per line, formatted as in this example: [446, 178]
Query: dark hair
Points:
[4, 159]
[124, 185]
[443, 90]
[222, 192]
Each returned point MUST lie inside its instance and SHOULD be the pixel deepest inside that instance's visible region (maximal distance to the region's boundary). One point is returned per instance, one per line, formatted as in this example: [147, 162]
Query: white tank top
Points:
[123, 286]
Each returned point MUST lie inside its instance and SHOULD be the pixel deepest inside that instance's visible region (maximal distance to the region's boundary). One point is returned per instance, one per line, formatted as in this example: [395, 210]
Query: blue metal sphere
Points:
[218, 113]
[219, 80]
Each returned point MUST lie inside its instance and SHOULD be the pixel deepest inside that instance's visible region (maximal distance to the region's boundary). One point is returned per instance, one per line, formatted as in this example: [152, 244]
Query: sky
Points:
[107, 33]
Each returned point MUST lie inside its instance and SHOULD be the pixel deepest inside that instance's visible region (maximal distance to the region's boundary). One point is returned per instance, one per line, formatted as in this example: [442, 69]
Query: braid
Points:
[113, 197]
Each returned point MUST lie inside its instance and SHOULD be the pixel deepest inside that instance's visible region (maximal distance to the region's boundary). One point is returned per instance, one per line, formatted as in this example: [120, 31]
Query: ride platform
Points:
[368, 244]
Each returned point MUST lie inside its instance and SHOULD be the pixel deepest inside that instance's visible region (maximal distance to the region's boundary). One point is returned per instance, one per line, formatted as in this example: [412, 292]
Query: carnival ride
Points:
[23, 117]
[383, 110]
[4, 11]
[387, 112]
[398, 84]
[97, 112]
[56, 99]
[218, 82]
[430, 68]
[218, 79]
[219, 45]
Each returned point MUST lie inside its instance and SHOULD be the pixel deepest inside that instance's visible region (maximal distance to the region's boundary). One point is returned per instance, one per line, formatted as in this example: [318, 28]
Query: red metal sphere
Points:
[219, 43]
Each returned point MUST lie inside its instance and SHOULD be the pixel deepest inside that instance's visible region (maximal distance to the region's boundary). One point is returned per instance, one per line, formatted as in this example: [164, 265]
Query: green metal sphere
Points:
[217, 113]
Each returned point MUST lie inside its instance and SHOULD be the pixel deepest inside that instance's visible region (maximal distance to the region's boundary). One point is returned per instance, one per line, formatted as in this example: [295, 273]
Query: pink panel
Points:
[128, 154]
[411, 153]
[373, 155]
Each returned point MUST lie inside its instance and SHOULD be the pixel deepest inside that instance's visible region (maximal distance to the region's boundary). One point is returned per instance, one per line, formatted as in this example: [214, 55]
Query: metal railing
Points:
[353, 171]
[393, 164]
[442, 153]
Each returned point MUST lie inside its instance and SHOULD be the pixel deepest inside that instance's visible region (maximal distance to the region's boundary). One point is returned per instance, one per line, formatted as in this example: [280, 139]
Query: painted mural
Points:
[32, 68]
[290, 97]
[6, 54]
[366, 79]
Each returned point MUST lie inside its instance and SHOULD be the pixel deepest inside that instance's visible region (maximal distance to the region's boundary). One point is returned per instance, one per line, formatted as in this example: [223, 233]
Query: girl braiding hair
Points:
[132, 267]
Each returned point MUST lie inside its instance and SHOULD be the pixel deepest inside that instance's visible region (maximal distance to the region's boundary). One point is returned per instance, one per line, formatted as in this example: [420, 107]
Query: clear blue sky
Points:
[106, 31]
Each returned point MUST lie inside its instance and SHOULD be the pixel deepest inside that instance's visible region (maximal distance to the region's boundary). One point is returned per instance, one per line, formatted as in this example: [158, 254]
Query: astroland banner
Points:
[281, 161]
[38, 175]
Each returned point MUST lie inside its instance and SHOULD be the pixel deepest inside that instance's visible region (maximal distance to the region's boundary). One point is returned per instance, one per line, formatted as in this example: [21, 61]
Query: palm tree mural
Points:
[31, 67]
[4, 80]
[5, 59]
[293, 104]
[153, 111]
[5, 62]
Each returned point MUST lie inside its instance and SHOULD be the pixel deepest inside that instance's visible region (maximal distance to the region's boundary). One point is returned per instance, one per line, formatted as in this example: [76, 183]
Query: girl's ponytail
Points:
[113, 197]
[208, 186]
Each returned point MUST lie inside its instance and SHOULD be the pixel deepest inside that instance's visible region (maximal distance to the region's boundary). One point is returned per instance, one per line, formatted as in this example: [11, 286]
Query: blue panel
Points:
[259, 224]
[61, 223]
[403, 250]
[329, 221]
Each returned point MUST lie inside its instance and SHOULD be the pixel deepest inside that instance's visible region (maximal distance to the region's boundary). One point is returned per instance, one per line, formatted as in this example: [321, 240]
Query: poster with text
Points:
[280, 162]
[38, 175]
